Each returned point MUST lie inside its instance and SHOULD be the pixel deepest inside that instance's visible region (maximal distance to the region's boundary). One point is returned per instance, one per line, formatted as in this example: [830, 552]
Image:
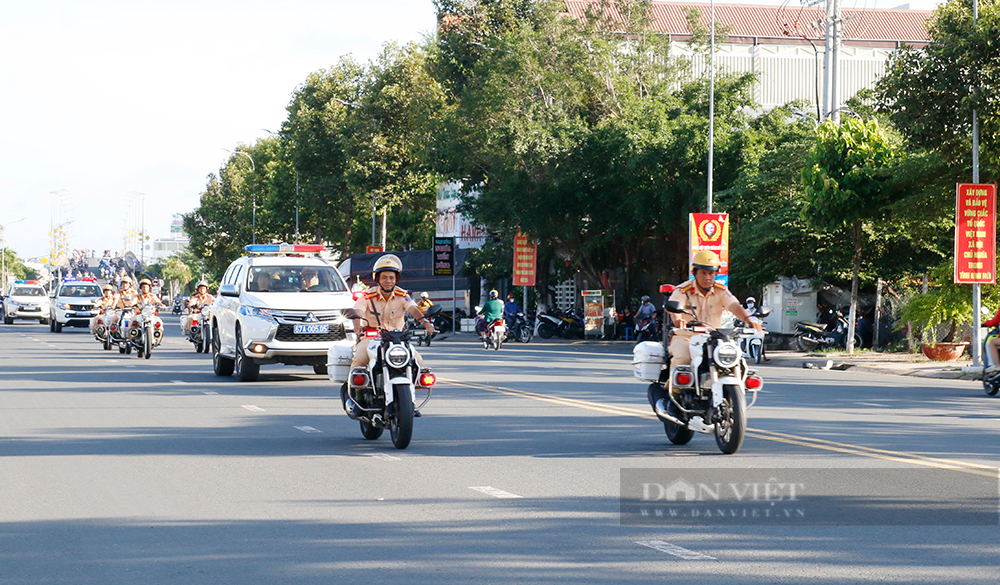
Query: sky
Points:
[104, 99]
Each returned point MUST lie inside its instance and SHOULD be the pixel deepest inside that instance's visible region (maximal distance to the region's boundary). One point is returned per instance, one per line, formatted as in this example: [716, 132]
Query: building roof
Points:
[782, 24]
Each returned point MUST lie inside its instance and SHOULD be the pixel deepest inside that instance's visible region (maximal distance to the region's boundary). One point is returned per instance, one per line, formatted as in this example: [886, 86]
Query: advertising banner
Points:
[710, 231]
[525, 260]
[975, 234]
[444, 256]
[451, 223]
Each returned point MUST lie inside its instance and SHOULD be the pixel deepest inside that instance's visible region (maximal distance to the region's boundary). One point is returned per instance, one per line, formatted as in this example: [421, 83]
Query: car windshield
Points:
[27, 291]
[294, 279]
[80, 290]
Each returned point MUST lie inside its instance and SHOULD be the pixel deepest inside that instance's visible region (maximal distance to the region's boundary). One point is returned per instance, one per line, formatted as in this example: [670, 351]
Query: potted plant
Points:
[945, 307]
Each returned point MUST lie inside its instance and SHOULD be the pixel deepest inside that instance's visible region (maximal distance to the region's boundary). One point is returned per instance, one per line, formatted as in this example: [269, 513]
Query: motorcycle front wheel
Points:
[147, 345]
[755, 352]
[805, 343]
[524, 334]
[730, 431]
[546, 330]
[401, 423]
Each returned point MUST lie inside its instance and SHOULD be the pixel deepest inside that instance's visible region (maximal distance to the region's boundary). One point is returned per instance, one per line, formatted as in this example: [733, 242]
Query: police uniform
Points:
[707, 307]
[376, 311]
[108, 305]
[197, 301]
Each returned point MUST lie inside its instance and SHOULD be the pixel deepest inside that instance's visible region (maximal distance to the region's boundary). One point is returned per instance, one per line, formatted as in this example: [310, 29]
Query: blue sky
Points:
[104, 98]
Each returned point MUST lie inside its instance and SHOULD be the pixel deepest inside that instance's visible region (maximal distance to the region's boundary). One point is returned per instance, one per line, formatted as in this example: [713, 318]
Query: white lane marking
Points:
[677, 551]
[385, 457]
[178, 382]
[492, 491]
[252, 408]
[873, 404]
[210, 392]
[309, 430]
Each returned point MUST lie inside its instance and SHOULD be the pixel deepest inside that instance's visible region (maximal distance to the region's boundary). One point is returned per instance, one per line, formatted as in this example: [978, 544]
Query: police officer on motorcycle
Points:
[707, 299]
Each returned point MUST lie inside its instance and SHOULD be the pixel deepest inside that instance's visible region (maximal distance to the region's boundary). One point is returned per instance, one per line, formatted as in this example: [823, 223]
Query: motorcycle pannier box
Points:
[648, 358]
[338, 361]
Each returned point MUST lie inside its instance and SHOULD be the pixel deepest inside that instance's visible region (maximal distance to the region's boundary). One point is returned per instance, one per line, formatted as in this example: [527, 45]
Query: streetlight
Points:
[3, 254]
[253, 168]
[375, 128]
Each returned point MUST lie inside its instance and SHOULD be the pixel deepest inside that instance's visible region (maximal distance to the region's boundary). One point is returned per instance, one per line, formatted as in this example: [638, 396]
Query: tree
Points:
[847, 183]
[930, 93]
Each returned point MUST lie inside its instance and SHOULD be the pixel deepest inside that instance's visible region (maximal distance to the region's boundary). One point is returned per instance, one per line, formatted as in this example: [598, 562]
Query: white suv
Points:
[278, 306]
[73, 305]
[26, 300]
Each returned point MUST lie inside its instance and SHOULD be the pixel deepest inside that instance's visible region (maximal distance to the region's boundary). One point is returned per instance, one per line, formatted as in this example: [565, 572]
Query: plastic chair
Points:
[628, 333]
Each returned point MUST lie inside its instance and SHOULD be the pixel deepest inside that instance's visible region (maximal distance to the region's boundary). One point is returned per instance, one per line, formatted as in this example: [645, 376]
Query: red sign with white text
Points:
[976, 234]
[525, 259]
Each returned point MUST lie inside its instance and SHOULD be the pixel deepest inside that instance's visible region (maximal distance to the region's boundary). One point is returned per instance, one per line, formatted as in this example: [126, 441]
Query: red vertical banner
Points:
[525, 259]
[710, 231]
[975, 234]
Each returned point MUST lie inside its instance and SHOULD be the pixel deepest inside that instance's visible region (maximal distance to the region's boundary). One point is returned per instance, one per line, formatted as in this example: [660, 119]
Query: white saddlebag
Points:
[338, 361]
[648, 359]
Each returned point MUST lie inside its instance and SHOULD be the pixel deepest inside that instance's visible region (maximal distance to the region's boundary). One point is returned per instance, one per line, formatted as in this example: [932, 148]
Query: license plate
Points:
[305, 329]
[83, 314]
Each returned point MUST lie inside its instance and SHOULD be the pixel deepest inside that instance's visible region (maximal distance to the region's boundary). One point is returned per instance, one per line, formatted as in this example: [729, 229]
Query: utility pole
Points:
[976, 291]
[832, 38]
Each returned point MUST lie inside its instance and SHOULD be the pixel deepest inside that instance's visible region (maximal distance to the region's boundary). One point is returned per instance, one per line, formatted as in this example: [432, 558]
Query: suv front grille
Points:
[80, 307]
[287, 333]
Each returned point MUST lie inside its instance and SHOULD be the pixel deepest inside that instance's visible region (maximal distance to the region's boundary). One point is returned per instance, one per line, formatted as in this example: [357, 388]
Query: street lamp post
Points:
[3, 253]
[253, 168]
[375, 128]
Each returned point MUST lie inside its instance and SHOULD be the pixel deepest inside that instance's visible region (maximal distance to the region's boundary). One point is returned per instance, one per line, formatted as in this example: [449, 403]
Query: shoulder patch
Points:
[719, 285]
[370, 294]
[400, 292]
[686, 287]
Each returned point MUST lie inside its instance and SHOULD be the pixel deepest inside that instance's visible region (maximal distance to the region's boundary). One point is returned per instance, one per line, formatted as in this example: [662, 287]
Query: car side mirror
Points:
[228, 290]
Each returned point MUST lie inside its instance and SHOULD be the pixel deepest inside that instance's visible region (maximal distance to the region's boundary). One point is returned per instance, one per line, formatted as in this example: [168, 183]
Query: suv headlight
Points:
[62, 306]
[13, 303]
[397, 356]
[256, 312]
[727, 354]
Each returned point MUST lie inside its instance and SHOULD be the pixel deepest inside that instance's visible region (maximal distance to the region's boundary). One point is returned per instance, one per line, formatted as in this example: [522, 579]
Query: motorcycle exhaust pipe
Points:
[195, 329]
[661, 411]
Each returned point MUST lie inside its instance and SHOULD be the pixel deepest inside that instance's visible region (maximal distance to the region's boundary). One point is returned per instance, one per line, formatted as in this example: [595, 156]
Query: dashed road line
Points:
[492, 491]
[252, 408]
[385, 457]
[677, 551]
[305, 429]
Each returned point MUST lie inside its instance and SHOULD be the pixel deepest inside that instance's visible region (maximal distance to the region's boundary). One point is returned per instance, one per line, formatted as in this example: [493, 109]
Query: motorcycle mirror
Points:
[433, 310]
[478, 308]
[351, 314]
[673, 307]
[764, 311]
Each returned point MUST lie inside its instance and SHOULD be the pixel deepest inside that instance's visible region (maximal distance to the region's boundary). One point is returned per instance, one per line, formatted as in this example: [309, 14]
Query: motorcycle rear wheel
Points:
[732, 429]
[401, 422]
[677, 434]
[546, 330]
[524, 334]
[805, 343]
[991, 385]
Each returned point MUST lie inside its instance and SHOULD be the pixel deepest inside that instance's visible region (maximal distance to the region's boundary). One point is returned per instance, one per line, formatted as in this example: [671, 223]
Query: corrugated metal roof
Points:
[776, 22]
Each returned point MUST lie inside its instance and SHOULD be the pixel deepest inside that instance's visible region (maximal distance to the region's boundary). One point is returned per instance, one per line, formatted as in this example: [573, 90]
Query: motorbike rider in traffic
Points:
[106, 305]
[127, 298]
[424, 303]
[510, 311]
[200, 299]
[707, 299]
[384, 306]
[492, 310]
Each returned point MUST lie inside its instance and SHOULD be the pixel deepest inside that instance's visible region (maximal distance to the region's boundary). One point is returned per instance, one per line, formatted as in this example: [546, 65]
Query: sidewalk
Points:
[899, 364]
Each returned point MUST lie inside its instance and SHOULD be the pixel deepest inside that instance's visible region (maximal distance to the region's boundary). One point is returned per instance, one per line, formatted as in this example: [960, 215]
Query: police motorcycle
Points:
[142, 329]
[104, 322]
[751, 341]
[707, 396]
[388, 385]
[200, 331]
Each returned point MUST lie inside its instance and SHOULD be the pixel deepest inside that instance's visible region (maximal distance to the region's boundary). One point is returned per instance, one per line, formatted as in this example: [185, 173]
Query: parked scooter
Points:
[831, 333]
[564, 324]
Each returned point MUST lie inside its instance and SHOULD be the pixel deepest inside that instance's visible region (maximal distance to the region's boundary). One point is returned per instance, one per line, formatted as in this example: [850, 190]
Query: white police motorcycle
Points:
[707, 396]
[387, 386]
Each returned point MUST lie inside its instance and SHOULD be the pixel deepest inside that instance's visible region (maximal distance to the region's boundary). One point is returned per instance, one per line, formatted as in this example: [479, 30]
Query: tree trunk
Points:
[854, 287]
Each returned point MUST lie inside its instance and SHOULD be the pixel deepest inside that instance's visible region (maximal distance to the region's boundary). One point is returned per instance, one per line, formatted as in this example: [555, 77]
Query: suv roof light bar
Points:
[285, 248]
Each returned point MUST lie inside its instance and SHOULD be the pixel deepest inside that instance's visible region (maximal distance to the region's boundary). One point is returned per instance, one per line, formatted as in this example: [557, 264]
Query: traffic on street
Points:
[159, 471]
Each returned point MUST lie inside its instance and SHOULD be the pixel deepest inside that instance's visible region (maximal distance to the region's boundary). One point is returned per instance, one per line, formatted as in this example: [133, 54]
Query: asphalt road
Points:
[121, 470]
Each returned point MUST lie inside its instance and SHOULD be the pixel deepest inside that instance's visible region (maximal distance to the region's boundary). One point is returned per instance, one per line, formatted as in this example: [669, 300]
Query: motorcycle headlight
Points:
[727, 354]
[397, 356]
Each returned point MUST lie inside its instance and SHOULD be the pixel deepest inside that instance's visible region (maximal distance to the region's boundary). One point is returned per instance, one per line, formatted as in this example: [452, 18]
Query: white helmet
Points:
[751, 301]
[424, 295]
